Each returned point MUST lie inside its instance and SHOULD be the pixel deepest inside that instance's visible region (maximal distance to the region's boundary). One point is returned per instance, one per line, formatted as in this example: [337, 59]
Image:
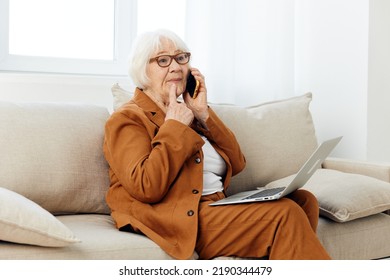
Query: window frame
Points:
[125, 31]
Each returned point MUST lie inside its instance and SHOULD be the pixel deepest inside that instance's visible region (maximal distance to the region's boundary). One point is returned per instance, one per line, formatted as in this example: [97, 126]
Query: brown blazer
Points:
[156, 172]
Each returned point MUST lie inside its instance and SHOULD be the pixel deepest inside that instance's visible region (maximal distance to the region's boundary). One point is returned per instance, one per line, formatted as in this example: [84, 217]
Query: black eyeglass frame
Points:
[171, 58]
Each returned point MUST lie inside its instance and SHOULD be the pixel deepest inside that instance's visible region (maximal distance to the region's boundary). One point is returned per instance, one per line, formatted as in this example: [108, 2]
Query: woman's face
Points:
[162, 78]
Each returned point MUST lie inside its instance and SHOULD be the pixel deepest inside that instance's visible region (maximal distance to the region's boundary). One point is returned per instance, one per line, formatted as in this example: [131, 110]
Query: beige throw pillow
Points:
[345, 196]
[23, 221]
[52, 154]
[276, 138]
[120, 96]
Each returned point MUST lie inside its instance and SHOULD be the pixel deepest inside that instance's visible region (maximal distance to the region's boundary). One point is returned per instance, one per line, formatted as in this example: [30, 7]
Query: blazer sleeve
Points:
[146, 159]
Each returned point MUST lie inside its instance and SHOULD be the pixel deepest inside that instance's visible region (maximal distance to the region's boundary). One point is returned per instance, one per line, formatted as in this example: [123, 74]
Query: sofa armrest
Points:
[380, 171]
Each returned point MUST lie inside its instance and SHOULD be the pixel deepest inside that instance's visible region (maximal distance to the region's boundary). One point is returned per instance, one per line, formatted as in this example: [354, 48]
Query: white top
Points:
[214, 167]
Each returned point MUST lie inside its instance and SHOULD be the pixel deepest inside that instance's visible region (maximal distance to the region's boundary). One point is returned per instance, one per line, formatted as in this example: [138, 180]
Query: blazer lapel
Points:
[153, 112]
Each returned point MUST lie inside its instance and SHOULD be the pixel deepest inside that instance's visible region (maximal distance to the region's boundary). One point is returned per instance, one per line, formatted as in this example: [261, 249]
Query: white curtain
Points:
[245, 48]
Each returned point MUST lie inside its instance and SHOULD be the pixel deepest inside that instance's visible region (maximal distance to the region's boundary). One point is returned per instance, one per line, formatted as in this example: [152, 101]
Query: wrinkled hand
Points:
[178, 111]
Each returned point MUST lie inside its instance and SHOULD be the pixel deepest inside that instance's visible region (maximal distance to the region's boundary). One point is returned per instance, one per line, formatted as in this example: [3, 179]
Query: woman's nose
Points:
[174, 66]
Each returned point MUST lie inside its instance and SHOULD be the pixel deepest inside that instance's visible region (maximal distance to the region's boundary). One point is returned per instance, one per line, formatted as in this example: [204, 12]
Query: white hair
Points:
[144, 47]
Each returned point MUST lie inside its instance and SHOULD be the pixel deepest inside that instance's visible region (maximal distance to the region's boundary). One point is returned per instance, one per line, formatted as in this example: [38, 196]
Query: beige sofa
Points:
[53, 180]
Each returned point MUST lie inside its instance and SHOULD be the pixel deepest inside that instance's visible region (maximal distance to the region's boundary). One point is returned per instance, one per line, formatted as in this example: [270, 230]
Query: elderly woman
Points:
[169, 160]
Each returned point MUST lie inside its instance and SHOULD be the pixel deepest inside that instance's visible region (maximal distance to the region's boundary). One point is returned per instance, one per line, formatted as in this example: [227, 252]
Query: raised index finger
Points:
[172, 94]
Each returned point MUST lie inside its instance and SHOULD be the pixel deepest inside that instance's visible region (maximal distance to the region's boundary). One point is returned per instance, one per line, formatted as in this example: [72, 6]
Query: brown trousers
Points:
[282, 229]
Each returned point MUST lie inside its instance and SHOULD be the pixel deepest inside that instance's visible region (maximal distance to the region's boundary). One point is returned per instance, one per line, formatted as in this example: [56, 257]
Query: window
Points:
[66, 36]
[60, 30]
[79, 36]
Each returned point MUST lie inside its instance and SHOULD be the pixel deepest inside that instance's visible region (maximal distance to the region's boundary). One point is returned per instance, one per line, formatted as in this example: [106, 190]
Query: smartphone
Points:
[192, 86]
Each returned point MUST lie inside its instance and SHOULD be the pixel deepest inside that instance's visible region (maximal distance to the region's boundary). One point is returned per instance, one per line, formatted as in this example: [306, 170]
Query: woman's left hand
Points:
[198, 105]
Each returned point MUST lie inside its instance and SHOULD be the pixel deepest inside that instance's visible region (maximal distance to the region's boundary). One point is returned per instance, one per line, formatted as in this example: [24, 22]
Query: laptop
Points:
[268, 193]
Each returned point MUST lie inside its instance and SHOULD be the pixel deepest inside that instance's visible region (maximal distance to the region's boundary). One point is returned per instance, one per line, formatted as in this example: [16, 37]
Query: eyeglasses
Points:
[166, 60]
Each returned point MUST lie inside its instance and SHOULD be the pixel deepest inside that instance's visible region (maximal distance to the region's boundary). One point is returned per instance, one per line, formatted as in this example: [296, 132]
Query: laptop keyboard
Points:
[266, 192]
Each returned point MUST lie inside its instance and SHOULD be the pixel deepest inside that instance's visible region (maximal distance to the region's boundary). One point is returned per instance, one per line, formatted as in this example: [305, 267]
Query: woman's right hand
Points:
[178, 111]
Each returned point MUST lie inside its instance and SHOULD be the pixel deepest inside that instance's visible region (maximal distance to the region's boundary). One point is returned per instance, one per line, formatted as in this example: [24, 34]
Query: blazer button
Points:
[190, 213]
[195, 191]
[197, 160]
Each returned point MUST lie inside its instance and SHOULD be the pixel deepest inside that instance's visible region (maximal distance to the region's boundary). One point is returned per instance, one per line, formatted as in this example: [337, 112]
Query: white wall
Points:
[379, 82]
[245, 48]
[343, 57]
[331, 59]
[59, 88]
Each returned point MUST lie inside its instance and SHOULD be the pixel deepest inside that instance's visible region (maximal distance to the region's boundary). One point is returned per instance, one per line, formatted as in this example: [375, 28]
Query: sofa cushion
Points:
[23, 221]
[276, 137]
[100, 240]
[52, 154]
[362, 239]
[344, 197]
[120, 96]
